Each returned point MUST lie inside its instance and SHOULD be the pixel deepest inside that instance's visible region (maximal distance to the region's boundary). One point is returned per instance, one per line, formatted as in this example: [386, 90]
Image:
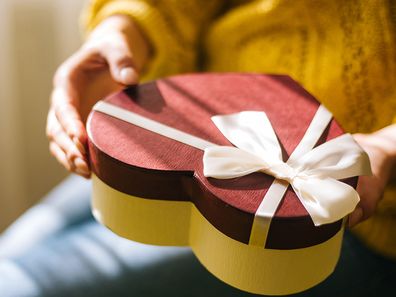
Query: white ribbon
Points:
[312, 175]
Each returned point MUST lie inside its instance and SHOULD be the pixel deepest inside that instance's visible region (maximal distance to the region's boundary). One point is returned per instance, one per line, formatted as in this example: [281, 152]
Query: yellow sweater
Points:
[344, 52]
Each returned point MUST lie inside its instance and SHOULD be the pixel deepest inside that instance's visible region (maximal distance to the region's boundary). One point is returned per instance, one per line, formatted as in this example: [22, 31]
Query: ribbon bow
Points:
[313, 177]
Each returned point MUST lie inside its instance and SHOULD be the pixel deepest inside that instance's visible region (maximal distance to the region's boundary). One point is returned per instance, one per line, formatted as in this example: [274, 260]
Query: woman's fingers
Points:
[60, 155]
[82, 168]
[69, 118]
[79, 166]
[65, 128]
[121, 69]
[371, 188]
[104, 64]
[355, 217]
[69, 82]
[64, 148]
[56, 133]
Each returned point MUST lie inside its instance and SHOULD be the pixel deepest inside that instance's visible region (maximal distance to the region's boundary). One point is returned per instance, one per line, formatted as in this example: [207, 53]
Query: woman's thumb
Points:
[122, 67]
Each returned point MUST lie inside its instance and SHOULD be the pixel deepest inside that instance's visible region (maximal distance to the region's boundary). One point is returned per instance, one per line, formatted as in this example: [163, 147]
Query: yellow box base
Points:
[246, 267]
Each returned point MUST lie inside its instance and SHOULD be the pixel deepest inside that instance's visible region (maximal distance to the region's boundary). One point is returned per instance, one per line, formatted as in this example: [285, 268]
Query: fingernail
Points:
[79, 145]
[80, 163]
[128, 76]
[82, 172]
[74, 154]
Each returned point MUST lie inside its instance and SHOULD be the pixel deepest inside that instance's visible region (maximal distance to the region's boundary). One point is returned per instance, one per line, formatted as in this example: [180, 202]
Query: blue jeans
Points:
[57, 249]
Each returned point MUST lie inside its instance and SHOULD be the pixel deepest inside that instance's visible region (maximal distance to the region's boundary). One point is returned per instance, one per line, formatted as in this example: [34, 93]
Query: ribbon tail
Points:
[326, 200]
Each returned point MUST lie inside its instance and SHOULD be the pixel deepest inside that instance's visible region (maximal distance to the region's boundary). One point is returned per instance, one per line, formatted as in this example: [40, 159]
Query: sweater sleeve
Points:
[173, 28]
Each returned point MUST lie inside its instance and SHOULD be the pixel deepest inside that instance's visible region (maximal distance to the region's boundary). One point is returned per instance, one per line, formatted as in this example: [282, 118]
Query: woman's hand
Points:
[381, 148]
[109, 60]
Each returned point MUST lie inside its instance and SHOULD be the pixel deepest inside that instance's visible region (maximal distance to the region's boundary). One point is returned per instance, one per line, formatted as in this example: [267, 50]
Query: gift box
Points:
[249, 170]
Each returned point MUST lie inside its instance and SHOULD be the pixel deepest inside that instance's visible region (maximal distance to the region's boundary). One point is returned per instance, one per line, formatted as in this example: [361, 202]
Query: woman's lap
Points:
[85, 259]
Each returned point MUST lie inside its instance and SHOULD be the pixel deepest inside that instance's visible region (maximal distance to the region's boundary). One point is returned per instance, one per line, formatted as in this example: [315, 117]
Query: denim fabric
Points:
[71, 255]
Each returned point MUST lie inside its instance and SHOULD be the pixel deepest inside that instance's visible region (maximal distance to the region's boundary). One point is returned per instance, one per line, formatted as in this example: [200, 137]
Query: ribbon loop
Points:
[252, 132]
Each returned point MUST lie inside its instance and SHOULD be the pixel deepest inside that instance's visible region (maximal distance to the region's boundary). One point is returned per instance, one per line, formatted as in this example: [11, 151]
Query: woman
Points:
[338, 50]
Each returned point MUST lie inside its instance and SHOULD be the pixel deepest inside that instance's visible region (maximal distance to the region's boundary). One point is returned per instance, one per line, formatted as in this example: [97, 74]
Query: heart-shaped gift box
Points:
[151, 186]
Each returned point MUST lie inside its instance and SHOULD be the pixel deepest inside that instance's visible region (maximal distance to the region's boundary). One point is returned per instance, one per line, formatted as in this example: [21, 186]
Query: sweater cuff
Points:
[169, 56]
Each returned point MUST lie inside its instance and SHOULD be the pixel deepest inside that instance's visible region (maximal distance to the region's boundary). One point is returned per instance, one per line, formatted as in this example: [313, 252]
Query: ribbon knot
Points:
[282, 171]
[313, 175]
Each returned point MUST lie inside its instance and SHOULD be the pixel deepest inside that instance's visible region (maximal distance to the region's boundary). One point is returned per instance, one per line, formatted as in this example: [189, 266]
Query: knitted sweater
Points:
[343, 52]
